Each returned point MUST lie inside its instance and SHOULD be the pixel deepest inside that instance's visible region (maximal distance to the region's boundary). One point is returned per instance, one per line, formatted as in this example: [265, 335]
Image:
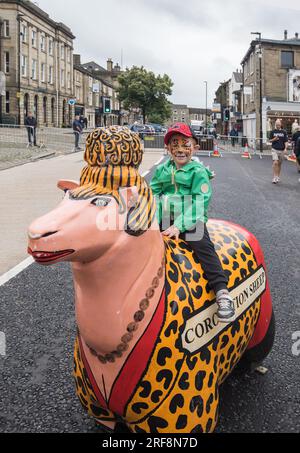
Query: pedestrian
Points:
[233, 134]
[296, 145]
[85, 122]
[31, 125]
[279, 140]
[182, 177]
[77, 128]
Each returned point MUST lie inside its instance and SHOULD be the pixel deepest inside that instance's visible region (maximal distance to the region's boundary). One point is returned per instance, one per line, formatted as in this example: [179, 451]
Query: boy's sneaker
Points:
[275, 181]
[226, 310]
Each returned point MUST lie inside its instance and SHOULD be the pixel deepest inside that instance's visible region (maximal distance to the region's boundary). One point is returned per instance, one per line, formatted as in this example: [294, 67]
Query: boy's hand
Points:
[172, 232]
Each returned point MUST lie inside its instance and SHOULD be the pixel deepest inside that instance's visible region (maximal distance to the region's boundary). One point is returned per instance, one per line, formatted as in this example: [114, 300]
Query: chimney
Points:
[297, 35]
[109, 65]
[77, 59]
[285, 34]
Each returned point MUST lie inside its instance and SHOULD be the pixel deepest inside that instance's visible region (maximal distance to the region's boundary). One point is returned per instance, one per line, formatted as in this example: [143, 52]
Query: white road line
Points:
[15, 271]
[2, 344]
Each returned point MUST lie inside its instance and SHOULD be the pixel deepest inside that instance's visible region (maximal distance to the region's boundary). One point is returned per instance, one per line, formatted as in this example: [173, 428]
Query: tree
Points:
[142, 89]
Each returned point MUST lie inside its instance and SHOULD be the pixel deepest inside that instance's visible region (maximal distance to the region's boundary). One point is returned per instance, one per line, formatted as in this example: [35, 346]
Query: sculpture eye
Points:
[101, 202]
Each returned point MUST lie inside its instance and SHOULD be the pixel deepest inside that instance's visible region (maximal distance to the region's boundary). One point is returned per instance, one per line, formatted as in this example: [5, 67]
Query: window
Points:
[251, 63]
[62, 78]
[62, 52]
[6, 28]
[50, 46]
[7, 104]
[69, 80]
[43, 43]
[24, 33]
[33, 38]
[6, 62]
[33, 69]
[43, 72]
[287, 59]
[24, 66]
[68, 55]
[50, 77]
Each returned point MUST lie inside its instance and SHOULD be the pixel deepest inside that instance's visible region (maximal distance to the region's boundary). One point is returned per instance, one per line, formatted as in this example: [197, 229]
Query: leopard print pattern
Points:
[179, 392]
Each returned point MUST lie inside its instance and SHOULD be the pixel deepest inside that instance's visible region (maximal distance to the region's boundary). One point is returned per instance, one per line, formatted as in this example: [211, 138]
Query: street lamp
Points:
[206, 124]
[260, 92]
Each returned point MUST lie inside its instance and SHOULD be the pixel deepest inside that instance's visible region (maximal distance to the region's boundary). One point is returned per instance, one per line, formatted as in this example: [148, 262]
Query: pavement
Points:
[37, 392]
[29, 191]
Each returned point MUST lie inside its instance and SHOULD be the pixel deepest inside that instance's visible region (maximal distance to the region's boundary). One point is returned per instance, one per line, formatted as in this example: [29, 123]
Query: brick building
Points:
[37, 57]
[280, 75]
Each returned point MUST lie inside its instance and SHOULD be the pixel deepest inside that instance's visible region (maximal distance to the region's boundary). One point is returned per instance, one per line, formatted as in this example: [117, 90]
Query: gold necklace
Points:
[134, 325]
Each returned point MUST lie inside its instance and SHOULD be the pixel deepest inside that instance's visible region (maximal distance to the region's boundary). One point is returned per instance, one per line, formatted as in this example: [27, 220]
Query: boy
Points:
[179, 177]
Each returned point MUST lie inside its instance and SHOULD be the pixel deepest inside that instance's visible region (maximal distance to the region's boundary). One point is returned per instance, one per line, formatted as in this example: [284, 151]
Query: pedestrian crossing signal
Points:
[107, 106]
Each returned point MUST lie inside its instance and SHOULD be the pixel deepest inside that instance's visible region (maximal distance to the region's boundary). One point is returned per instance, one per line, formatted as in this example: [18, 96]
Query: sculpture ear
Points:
[130, 196]
[66, 185]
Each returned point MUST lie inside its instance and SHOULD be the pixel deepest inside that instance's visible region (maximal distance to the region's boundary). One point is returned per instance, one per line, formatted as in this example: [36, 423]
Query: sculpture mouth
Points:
[49, 257]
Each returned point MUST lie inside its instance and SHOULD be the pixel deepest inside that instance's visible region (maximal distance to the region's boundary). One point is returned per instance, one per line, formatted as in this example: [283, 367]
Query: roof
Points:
[278, 42]
[198, 110]
[179, 106]
[93, 66]
[31, 7]
[84, 70]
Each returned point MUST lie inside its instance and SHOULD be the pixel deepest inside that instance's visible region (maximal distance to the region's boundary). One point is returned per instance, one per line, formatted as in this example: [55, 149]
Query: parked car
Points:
[142, 130]
[159, 129]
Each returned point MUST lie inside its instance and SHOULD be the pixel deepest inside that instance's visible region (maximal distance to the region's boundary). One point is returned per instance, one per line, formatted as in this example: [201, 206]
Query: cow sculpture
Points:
[149, 352]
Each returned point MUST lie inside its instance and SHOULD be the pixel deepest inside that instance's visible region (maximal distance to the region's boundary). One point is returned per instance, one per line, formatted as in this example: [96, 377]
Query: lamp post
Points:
[260, 92]
[206, 123]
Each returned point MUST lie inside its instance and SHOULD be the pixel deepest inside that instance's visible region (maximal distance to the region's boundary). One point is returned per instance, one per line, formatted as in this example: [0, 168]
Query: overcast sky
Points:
[190, 40]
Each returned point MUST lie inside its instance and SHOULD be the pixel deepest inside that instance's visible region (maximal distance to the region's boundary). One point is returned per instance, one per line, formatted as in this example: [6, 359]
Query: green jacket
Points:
[170, 185]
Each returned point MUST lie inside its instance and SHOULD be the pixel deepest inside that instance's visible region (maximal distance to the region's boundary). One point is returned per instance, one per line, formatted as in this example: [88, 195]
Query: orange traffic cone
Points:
[216, 152]
[246, 154]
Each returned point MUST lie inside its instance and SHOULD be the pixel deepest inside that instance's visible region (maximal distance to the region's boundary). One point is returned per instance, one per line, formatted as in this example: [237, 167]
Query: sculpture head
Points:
[111, 203]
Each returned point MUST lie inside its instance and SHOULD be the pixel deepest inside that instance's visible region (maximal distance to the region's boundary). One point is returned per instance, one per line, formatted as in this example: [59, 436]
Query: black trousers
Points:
[31, 135]
[207, 255]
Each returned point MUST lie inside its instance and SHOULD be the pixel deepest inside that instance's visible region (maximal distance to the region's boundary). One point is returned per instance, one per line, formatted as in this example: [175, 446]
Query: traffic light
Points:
[106, 105]
[226, 115]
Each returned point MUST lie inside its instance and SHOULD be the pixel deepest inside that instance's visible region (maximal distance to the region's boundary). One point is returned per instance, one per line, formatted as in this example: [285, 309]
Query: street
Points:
[37, 392]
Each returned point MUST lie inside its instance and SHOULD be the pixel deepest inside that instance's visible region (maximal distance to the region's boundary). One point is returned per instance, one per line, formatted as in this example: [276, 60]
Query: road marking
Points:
[15, 271]
[2, 344]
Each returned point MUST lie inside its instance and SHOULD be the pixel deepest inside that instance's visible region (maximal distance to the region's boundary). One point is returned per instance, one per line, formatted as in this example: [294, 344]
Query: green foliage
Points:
[139, 88]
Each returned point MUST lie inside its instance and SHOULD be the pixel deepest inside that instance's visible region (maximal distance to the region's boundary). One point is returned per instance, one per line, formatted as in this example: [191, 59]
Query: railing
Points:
[63, 140]
[52, 139]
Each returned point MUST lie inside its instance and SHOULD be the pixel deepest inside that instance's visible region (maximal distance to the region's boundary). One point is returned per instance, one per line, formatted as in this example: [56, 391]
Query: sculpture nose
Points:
[36, 236]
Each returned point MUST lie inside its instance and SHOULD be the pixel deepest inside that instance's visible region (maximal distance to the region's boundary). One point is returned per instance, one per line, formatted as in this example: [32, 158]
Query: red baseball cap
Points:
[179, 128]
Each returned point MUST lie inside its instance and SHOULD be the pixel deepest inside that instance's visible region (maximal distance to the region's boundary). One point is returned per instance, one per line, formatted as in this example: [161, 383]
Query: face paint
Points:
[181, 149]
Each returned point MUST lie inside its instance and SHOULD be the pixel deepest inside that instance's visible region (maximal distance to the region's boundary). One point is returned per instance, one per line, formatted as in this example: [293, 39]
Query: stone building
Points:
[91, 90]
[184, 114]
[38, 56]
[280, 77]
[222, 98]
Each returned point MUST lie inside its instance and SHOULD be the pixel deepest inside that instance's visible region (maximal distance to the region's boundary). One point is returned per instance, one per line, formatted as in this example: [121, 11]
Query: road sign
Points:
[72, 101]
